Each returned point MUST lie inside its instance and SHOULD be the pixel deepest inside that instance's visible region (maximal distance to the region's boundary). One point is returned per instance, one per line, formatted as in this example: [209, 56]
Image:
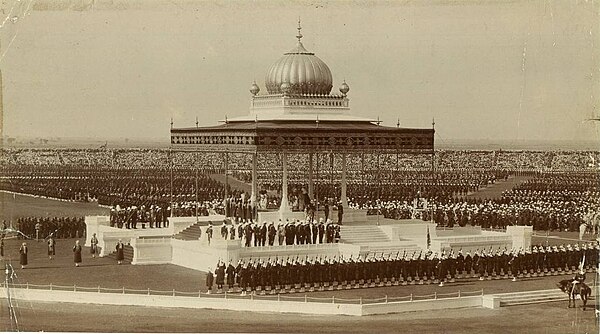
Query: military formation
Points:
[282, 275]
[41, 227]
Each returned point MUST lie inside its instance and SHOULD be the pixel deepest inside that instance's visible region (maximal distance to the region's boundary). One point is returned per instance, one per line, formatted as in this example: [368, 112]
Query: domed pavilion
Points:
[299, 114]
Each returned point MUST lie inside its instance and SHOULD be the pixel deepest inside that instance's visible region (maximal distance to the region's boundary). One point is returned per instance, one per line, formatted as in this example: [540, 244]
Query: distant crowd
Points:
[146, 186]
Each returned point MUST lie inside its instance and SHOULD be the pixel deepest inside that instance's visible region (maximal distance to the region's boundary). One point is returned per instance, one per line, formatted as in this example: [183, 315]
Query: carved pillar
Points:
[311, 183]
[285, 207]
[254, 181]
[343, 195]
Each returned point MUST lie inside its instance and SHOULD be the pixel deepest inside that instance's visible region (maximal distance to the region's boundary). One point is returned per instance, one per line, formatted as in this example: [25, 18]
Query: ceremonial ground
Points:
[104, 272]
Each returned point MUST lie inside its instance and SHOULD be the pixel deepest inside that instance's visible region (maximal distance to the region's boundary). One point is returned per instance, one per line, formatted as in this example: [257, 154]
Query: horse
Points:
[580, 289]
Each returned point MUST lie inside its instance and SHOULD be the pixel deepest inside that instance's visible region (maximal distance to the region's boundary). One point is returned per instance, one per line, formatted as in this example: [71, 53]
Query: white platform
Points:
[157, 246]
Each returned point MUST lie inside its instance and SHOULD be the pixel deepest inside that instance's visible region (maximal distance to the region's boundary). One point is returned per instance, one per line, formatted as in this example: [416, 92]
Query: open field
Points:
[541, 318]
[13, 206]
[547, 318]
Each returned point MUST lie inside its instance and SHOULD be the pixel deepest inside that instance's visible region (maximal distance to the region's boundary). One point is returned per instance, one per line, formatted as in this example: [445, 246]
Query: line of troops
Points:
[40, 227]
[293, 232]
[290, 275]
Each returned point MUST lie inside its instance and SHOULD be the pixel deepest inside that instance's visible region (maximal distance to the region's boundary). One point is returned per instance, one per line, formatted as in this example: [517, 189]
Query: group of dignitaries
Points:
[287, 274]
[294, 232]
[146, 216]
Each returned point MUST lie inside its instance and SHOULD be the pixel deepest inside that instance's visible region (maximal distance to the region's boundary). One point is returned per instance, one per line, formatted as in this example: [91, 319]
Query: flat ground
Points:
[495, 190]
[13, 206]
[540, 318]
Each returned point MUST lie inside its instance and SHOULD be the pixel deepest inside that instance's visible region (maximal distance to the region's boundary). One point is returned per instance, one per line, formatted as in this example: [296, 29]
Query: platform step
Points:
[362, 235]
[532, 297]
[190, 233]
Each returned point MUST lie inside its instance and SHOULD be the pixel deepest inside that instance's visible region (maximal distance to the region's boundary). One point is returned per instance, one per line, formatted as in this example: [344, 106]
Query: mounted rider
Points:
[579, 275]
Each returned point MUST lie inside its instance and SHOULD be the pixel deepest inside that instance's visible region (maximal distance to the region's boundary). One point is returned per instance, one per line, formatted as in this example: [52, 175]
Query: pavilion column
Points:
[226, 174]
[311, 182]
[254, 181]
[343, 195]
[285, 207]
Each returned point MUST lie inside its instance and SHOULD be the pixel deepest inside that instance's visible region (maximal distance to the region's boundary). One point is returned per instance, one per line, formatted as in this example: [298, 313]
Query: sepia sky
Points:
[490, 70]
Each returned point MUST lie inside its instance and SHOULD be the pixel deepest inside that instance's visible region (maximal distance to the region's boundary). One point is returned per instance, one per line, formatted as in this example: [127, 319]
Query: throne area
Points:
[185, 243]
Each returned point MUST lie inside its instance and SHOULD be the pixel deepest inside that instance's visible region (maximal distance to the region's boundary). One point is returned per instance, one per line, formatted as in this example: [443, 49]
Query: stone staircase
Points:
[362, 235]
[534, 297]
[191, 233]
[373, 240]
[127, 253]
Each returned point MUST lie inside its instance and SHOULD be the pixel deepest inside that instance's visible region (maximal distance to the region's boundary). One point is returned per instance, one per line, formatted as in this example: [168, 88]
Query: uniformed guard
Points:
[51, 247]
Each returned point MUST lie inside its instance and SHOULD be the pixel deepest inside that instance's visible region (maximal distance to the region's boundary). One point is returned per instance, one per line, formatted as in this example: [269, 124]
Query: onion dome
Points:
[302, 70]
[344, 88]
[254, 89]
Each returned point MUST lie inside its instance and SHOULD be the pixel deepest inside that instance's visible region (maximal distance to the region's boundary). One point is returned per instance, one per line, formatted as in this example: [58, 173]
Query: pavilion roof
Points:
[301, 136]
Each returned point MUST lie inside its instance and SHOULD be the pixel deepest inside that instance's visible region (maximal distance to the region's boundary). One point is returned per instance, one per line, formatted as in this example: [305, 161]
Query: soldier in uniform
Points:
[272, 232]
[460, 263]
[224, 231]
[23, 250]
[209, 232]
[243, 277]
[280, 233]
[220, 275]
[77, 253]
[210, 278]
[247, 234]
[263, 234]
[94, 245]
[51, 247]
[314, 229]
[321, 230]
[514, 265]
[441, 269]
[232, 230]
[120, 252]
[230, 276]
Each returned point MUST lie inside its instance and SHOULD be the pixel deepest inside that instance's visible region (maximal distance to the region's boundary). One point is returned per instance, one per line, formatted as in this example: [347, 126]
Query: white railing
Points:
[236, 295]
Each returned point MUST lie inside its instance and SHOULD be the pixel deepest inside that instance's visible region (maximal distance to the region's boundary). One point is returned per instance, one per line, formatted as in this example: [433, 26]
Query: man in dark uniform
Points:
[314, 231]
[272, 233]
[230, 276]
[256, 232]
[514, 265]
[263, 234]
[460, 263]
[321, 229]
[340, 209]
[247, 234]
[210, 278]
[220, 273]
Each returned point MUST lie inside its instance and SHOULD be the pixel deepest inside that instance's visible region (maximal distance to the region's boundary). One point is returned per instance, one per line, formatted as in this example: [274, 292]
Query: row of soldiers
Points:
[285, 274]
[293, 232]
[41, 227]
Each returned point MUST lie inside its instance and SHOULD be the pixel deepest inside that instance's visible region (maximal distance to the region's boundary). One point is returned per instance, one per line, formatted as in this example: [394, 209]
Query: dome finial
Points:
[299, 36]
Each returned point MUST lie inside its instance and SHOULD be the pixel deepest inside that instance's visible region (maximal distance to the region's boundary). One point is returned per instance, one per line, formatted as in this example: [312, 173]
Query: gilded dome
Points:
[302, 70]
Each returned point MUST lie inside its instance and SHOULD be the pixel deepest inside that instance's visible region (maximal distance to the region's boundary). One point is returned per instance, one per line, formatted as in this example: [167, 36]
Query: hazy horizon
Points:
[491, 71]
[448, 144]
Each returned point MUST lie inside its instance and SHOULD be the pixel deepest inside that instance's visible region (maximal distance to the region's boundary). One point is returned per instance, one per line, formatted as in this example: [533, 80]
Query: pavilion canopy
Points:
[302, 136]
